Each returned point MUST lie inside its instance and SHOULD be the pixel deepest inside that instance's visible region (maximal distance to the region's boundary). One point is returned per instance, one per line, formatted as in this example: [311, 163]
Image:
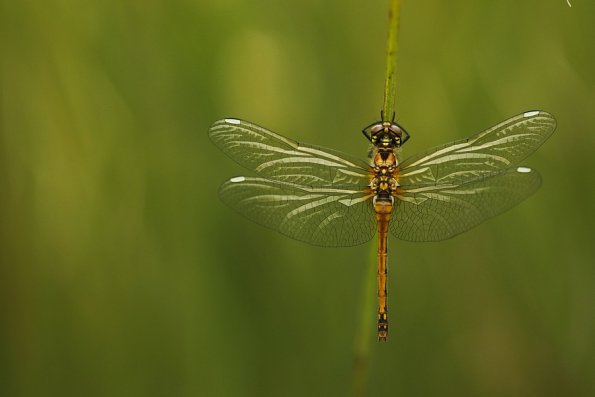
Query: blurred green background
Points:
[121, 273]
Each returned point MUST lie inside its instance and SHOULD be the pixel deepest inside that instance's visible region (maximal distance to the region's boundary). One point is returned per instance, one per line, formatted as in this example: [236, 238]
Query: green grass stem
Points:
[366, 323]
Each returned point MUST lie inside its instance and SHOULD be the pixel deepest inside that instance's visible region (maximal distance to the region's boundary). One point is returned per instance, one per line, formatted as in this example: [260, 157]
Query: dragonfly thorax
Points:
[384, 181]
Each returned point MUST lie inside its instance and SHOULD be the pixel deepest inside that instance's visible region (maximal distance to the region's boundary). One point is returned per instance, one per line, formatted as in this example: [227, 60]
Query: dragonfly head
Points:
[386, 134]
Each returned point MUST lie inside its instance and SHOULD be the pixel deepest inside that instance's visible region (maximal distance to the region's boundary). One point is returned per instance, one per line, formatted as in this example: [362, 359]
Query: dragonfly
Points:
[328, 198]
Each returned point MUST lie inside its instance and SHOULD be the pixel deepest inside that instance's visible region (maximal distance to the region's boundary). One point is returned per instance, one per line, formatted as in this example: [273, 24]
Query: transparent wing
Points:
[438, 212]
[282, 159]
[329, 217]
[487, 153]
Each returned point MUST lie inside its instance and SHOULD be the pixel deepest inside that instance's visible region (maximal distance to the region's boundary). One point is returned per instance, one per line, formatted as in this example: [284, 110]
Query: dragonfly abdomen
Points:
[383, 209]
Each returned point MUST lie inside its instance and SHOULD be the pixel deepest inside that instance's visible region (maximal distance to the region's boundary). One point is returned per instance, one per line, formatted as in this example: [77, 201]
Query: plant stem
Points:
[362, 344]
[392, 45]
[367, 322]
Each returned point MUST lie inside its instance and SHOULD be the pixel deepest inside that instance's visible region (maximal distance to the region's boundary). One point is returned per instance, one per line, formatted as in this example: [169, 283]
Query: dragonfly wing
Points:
[273, 156]
[434, 213]
[325, 216]
[487, 153]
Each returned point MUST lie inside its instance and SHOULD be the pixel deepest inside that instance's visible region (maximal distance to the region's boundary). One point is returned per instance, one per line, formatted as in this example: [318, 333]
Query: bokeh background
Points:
[122, 274]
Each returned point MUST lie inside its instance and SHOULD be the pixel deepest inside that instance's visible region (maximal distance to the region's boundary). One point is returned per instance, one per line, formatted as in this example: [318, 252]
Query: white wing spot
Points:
[232, 121]
[236, 179]
[524, 170]
[531, 114]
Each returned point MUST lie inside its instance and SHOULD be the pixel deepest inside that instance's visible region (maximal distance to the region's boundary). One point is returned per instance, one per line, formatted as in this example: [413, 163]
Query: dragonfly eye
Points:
[401, 135]
[376, 128]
